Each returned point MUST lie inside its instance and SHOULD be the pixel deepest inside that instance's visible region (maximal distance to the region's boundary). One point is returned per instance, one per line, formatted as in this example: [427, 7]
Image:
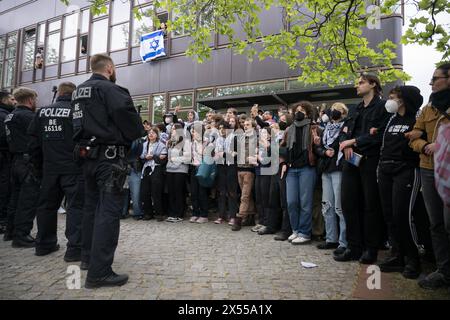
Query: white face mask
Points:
[325, 118]
[391, 106]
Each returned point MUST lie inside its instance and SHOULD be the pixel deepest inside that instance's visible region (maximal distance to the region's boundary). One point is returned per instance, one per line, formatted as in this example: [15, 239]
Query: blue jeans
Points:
[331, 206]
[134, 182]
[300, 190]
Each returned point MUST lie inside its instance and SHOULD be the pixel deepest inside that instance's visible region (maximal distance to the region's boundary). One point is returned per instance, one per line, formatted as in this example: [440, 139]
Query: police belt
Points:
[112, 152]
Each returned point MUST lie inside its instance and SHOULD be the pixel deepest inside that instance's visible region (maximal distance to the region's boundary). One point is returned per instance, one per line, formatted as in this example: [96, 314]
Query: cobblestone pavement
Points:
[189, 261]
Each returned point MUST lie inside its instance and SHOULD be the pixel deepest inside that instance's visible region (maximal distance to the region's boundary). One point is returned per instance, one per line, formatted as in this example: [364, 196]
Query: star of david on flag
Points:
[152, 45]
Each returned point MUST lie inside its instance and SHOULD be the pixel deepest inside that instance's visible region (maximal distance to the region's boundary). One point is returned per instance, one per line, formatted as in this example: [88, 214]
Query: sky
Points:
[420, 61]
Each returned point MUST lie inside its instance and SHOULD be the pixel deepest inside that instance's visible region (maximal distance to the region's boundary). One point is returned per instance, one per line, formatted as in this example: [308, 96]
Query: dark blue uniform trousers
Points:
[24, 197]
[101, 218]
[54, 187]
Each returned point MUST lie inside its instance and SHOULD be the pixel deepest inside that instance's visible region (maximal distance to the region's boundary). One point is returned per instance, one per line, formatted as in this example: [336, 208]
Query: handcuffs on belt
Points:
[111, 152]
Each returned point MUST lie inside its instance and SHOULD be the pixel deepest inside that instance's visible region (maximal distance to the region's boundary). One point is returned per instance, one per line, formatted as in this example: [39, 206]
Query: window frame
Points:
[8, 60]
[111, 26]
[49, 33]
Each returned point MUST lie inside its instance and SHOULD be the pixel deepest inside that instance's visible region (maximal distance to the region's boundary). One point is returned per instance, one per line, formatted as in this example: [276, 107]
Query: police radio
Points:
[54, 90]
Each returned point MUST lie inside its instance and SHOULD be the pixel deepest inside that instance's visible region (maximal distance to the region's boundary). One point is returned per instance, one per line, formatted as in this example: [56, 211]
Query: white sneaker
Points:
[257, 227]
[193, 219]
[300, 240]
[292, 236]
[202, 220]
[177, 219]
[170, 219]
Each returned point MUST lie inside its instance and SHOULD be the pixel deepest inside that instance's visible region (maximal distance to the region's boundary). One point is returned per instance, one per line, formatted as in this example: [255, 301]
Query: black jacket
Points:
[52, 138]
[4, 111]
[326, 164]
[395, 146]
[358, 123]
[16, 125]
[103, 110]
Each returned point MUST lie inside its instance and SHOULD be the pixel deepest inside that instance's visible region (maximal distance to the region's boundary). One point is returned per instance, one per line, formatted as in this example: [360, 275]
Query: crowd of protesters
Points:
[382, 168]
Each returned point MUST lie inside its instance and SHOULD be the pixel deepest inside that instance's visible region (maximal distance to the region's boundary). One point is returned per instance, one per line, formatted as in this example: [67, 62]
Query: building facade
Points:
[43, 42]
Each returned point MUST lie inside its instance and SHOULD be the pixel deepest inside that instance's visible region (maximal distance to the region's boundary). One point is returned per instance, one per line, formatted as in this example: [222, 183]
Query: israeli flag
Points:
[152, 45]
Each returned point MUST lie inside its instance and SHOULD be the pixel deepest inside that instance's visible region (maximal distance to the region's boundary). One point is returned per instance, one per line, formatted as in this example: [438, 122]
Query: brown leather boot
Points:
[237, 224]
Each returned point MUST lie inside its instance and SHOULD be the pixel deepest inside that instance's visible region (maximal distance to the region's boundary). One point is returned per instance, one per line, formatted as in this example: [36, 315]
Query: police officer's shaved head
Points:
[66, 88]
[22, 94]
[99, 62]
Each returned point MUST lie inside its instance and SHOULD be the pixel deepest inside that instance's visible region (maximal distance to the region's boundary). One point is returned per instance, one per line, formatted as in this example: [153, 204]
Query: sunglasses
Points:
[435, 78]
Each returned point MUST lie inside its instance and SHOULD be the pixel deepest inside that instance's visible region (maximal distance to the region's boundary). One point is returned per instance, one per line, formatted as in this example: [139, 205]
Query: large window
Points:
[251, 88]
[159, 108]
[142, 26]
[28, 49]
[84, 29]
[9, 64]
[201, 109]
[142, 106]
[120, 29]
[99, 37]
[53, 42]
[183, 102]
[69, 49]
[120, 12]
[119, 36]
[70, 37]
[295, 84]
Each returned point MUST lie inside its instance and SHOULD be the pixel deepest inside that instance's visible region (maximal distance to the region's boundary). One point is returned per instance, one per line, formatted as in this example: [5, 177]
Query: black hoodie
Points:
[395, 146]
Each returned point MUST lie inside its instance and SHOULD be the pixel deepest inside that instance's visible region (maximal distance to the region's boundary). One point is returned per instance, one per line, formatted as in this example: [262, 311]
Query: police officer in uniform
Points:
[24, 176]
[7, 103]
[52, 133]
[105, 125]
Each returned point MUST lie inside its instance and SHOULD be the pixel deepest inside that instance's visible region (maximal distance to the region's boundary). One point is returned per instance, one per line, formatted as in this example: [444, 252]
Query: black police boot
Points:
[113, 280]
[282, 236]
[2, 229]
[265, 230]
[84, 265]
[72, 256]
[348, 255]
[369, 256]
[44, 252]
[392, 264]
[412, 268]
[23, 242]
[249, 222]
[237, 224]
[327, 245]
[434, 280]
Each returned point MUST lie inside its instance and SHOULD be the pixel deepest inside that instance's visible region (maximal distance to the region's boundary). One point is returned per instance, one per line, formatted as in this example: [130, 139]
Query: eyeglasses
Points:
[435, 78]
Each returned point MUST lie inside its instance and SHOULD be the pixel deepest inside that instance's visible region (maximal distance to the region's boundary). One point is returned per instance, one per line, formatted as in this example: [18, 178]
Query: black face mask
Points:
[441, 99]
[283, 125]
[336, 115]
[299, 116]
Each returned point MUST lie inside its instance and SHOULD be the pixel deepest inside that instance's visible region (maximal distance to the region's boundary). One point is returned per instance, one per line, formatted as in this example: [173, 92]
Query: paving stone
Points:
[197, 264]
